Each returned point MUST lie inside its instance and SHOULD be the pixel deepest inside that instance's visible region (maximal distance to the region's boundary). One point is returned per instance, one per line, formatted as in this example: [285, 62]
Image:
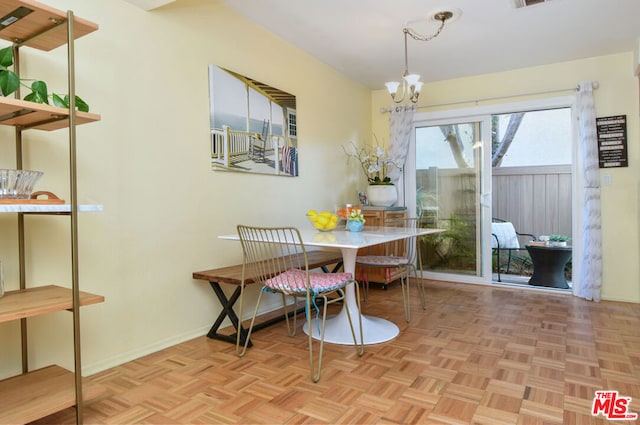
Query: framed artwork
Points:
[253, 125]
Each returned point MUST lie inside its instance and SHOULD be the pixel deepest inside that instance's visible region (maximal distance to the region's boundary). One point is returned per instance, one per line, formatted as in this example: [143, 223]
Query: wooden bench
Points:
[232, 275]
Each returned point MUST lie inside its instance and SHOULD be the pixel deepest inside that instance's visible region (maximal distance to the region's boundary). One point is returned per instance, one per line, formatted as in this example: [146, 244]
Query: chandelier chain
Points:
[419, 37]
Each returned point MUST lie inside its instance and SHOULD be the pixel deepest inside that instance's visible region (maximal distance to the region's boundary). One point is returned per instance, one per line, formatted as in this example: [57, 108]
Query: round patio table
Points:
[548, 265]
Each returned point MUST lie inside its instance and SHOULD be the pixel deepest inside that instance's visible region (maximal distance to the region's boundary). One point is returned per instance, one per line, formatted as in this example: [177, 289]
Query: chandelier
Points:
[411, 83]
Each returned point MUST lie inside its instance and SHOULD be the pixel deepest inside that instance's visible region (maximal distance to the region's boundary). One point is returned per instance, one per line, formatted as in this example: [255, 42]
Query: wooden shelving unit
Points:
[35, 394]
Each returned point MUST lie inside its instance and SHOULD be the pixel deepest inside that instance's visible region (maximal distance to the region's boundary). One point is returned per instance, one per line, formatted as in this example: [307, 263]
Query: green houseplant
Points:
[559, 240]
[10, 82]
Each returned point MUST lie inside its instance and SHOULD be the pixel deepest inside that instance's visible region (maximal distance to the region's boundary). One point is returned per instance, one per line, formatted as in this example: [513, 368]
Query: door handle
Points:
[484, 198]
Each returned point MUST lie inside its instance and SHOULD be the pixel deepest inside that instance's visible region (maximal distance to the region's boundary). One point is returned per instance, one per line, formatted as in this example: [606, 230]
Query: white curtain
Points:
[400, 124]
[590, 277]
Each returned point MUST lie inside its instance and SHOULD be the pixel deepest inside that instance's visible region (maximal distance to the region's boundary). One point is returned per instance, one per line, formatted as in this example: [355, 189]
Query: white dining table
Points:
[375, 329]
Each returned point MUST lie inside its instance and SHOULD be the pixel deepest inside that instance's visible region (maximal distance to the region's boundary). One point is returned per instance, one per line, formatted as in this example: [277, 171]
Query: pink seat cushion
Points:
[382, 260]
[293, 281]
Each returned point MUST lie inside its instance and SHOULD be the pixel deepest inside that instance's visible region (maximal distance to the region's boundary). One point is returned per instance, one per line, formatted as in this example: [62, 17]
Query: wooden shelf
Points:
[40, 393]
[40, 116]
[40, 300]
[43, 28]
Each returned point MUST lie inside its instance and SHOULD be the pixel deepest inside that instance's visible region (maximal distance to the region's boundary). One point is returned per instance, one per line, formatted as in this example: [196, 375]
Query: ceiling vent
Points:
[524, 3]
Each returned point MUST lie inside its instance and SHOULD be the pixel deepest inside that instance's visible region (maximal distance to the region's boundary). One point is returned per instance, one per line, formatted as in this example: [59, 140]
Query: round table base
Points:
[375, 330]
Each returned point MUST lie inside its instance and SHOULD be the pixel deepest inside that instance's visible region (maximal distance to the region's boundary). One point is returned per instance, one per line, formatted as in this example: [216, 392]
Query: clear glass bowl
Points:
[18, 184]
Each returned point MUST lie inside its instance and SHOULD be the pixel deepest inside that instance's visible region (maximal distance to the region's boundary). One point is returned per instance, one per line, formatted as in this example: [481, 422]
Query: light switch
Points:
[606, 179]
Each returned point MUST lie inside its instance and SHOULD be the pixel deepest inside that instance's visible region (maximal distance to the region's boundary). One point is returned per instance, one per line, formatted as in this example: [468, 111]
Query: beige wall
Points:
[617, 95]
[147, 162]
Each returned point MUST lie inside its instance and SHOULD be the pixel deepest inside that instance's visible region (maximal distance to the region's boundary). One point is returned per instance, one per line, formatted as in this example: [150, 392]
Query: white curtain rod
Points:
[486, 99]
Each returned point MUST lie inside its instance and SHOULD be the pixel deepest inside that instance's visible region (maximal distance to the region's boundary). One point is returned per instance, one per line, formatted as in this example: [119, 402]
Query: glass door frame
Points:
[483, 199]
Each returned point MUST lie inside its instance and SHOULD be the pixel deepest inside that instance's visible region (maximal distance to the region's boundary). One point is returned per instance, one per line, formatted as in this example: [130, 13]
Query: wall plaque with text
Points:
[612, 141]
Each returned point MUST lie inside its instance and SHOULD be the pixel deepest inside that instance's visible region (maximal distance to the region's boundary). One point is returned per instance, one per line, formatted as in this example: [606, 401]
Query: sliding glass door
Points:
[511, 161]
[451, 175]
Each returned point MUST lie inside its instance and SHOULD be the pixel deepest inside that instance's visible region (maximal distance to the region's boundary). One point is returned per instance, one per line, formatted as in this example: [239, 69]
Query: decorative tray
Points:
[50, 199]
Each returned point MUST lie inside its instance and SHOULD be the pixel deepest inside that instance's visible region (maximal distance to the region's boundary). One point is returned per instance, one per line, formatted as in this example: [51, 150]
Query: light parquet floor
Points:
[476, 355]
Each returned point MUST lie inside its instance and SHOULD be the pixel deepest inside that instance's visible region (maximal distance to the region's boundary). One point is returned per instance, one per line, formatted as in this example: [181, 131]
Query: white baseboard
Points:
[269, 304]
[102, 365]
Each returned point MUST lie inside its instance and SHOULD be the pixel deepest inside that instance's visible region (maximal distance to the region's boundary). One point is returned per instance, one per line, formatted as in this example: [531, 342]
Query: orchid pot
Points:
[382, 195]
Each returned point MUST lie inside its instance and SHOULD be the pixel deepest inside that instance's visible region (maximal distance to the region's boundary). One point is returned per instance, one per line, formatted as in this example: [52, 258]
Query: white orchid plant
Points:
[374, 161]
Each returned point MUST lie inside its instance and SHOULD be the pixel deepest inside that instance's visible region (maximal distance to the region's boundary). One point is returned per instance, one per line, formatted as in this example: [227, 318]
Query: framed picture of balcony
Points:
[253, 125]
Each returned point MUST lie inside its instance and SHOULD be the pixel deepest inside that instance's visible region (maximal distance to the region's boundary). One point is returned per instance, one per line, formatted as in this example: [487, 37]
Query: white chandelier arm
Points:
[393, 88]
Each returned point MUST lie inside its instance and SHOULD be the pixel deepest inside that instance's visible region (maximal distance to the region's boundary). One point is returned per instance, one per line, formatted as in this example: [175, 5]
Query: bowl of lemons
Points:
[324, 221]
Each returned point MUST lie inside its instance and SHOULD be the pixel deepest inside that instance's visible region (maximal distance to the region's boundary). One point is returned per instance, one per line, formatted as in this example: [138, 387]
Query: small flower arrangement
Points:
[374, 163]
[355, 214]
[352, 214]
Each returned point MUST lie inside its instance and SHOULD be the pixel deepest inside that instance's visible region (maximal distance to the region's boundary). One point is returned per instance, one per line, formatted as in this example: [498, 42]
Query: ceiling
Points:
[363, 39]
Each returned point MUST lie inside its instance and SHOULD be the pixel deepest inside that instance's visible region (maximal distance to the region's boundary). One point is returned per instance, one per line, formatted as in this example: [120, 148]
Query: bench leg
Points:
[336, 268]
[227, 311]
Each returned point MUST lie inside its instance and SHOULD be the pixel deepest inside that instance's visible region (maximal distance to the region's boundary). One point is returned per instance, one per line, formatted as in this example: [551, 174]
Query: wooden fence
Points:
[537, 200]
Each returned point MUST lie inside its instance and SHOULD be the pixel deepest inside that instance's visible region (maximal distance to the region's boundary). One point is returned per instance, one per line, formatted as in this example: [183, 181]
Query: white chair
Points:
[505, 238]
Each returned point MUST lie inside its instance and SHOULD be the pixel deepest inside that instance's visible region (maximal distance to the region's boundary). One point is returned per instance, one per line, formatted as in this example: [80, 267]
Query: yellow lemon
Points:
[322, 220]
